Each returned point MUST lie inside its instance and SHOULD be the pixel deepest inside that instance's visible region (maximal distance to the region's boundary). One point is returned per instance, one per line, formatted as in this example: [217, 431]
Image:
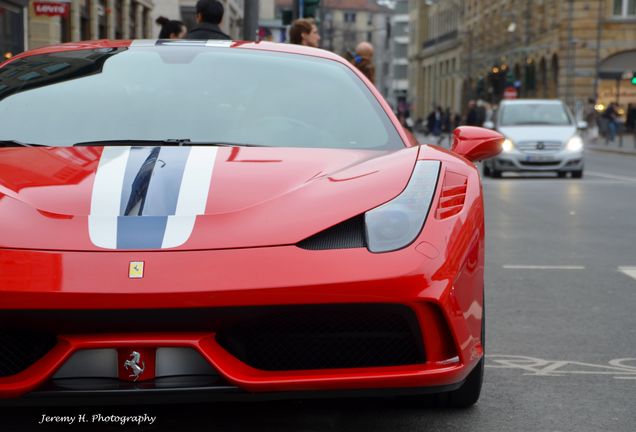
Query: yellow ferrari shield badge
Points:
[136, 269]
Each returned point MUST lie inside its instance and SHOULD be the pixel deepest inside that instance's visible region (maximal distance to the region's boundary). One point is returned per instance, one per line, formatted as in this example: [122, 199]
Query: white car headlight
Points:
[397, 223]
[507, 145]
[575, 143]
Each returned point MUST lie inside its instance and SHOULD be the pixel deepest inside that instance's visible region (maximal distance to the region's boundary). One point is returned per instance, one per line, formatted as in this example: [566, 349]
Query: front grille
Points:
[545, 163]
[451, 200]
[19, 349]
[326, 337]
[533, 146]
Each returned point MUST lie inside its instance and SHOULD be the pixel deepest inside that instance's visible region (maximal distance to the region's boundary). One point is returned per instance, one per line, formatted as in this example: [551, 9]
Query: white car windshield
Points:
[534, 114]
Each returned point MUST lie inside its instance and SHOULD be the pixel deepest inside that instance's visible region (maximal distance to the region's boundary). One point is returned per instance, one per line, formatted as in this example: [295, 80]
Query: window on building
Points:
[625, 8]
[11, 24]
[65, 28]
[402, 7]
[132, 21]
[350, 17]
[402, 29]
[119, 19]
[85, 21]
[101, 19]
[400, 72]
[400, 51]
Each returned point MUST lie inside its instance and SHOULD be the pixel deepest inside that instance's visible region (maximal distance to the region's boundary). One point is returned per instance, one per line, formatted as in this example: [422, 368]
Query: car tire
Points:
[562, 174]
[486, 170]
[494, 173]
[577, 174]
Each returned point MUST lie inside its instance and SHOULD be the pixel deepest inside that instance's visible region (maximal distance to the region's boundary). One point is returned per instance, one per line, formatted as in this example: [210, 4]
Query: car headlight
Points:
[507, 145]
[397, 223]
[575, 143]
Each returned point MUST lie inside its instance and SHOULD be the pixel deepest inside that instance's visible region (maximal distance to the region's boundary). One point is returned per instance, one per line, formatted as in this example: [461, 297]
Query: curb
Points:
[615, 150]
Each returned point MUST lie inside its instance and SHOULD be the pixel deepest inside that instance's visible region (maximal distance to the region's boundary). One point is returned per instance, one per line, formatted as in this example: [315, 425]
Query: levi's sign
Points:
[51, 8]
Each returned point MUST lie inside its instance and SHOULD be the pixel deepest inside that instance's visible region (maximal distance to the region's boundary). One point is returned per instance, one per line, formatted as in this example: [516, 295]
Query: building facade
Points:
[398, 80]
[436, 63]
[75, 20]
[574, 50]
[345, 23]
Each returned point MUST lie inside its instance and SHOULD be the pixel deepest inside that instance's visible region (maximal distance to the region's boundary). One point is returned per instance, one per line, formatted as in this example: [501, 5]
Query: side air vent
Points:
[19, 349]
[453, 194]
[346, 235]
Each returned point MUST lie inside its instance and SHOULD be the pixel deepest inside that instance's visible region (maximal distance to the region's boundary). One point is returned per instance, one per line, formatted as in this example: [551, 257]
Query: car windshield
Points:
[534, 114]
[196, 93]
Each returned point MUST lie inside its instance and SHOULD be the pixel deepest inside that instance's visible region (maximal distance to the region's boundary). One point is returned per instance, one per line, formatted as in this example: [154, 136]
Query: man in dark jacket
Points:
[209, 16]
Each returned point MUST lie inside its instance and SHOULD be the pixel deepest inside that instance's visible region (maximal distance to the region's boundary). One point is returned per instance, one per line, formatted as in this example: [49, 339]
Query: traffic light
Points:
[634, 79]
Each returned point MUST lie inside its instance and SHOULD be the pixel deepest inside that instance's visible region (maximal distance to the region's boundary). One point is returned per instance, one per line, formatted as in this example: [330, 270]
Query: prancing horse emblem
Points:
[133, 365]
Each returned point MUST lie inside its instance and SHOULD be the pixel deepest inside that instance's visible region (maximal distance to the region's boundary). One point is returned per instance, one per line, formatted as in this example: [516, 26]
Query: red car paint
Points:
[48, 262]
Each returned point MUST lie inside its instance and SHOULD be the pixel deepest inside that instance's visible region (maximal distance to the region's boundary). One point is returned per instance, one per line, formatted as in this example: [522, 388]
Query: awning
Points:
[616, 65]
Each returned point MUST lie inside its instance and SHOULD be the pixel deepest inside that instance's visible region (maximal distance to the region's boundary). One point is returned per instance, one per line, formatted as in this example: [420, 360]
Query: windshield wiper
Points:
[167, 142]
[15, 143]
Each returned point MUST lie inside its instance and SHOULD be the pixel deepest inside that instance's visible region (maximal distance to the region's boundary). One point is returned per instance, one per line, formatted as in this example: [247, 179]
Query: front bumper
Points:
[563, 161]
[65, 284]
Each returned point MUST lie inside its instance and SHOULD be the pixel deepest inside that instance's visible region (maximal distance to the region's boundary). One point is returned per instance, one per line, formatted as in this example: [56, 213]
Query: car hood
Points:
[538, 133]
[150, 198]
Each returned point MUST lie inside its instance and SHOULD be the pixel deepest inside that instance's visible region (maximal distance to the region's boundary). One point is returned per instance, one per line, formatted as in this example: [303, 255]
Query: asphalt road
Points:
[561, 326]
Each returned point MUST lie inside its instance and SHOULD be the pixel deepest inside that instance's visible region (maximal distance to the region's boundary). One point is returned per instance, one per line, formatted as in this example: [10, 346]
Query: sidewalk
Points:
[624, 144]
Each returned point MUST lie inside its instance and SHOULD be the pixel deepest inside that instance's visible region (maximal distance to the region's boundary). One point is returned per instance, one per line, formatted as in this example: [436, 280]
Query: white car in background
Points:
[541, 135]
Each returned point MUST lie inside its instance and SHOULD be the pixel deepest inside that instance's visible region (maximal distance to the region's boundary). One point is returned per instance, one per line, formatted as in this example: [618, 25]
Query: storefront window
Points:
[11, 29]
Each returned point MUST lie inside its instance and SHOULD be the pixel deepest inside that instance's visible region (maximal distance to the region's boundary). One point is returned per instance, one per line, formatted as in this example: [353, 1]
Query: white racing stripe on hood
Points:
[193, 195]
[106, 197]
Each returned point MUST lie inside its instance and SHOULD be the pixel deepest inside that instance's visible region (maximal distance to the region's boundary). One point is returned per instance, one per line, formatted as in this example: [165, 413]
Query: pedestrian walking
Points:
[471, 116]
[611, 117]
[171, 29]
[363, 60]
[209, 15]
[303, 31]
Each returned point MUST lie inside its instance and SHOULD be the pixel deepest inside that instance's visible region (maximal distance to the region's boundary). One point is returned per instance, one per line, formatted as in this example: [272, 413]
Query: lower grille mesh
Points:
[20, 349]
[326, 337]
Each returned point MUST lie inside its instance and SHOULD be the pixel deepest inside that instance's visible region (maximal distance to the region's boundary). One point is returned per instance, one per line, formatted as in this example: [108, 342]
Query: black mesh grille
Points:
[20, 349]
[345, 235]
[326, 337]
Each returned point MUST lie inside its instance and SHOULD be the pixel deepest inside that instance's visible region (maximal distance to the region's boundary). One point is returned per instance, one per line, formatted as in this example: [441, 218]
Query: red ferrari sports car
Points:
[227, 219]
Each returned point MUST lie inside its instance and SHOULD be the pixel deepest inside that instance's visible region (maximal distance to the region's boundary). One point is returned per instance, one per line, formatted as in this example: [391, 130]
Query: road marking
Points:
[624, 368]
[610, 176]
[543, 267]
[629, 271]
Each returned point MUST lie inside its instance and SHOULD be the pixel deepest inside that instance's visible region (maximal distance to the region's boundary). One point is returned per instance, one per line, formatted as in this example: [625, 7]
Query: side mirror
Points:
[581, 125]
[475, 143]
[489, 125]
